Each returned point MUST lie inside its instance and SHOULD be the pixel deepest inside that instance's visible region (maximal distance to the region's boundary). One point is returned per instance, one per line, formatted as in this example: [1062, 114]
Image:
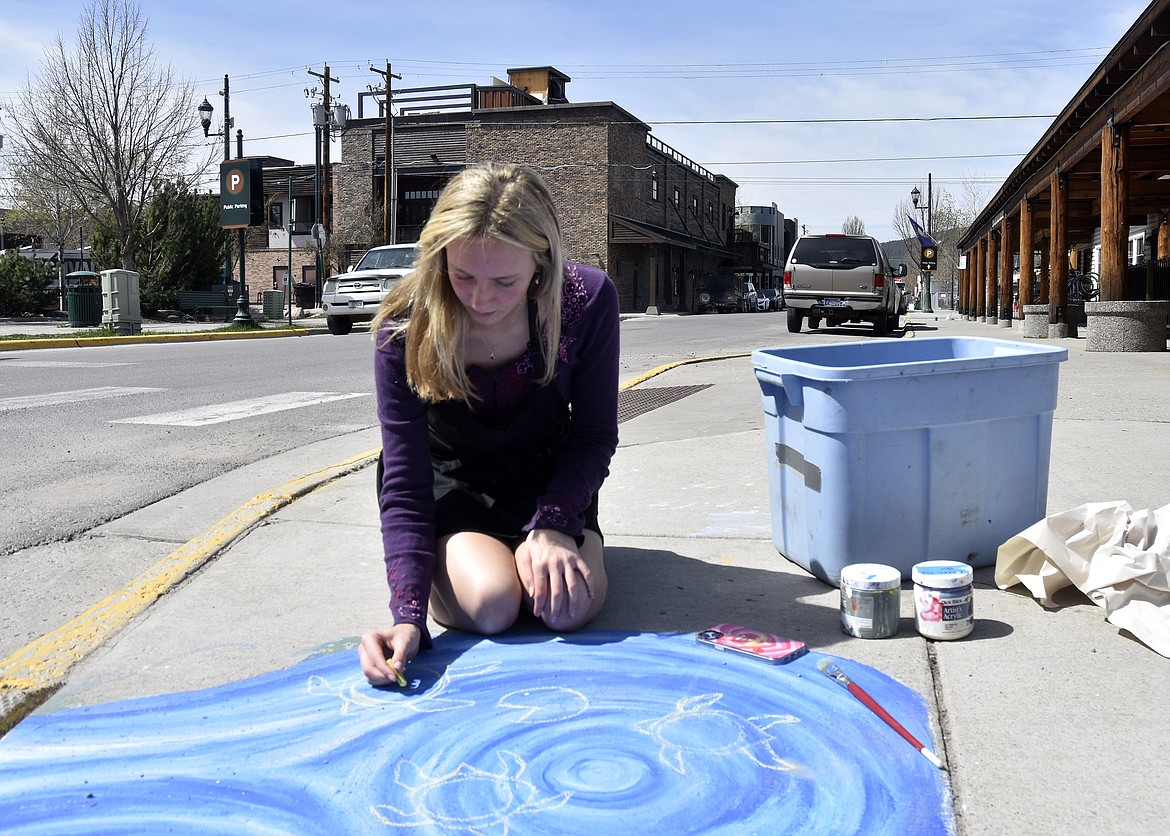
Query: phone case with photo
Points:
[766, 647]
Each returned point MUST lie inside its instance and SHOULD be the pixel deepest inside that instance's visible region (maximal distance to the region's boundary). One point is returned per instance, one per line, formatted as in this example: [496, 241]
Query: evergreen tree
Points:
[26, 285]
[182, 250]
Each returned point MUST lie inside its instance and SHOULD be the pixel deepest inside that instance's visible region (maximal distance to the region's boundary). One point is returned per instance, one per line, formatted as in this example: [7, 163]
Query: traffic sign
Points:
[241, 192]
[929, 260]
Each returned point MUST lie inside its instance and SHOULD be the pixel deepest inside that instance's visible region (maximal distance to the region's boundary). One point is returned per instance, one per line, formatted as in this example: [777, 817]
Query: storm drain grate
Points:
[635, 402]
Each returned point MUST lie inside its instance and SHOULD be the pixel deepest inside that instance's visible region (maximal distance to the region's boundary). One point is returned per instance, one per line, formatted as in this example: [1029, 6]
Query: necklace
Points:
[491, 351]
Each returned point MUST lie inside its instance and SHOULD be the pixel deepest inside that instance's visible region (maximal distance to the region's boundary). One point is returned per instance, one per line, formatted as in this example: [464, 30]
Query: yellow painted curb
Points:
[43, 663]
[197, 336]
[642, 378]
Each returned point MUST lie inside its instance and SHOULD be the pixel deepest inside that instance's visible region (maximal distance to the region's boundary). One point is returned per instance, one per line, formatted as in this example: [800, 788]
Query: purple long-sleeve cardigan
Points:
[586, 376]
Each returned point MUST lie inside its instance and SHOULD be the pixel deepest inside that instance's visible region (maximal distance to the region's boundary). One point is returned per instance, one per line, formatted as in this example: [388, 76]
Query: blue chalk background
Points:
[530, 733]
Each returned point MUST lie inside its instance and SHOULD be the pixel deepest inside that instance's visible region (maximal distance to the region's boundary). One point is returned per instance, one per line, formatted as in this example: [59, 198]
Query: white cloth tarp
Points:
[1118, 556]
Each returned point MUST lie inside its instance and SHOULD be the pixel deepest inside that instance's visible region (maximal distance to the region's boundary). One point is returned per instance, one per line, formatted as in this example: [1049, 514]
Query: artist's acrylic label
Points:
[946, 613]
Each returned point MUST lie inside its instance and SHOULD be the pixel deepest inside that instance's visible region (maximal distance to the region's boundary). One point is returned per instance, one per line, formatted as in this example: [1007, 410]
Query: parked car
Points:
[841, 278]
[723, 294]
[354, 296]
[905, 303]
[751, 298]
[771, 300]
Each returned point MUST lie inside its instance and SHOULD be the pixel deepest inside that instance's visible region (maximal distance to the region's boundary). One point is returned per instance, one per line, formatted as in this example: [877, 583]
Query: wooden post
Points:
[1027, 255]
[1164, 236]
[1161, 253]
[960, 303]
[993, 267]
[1044, 253]
[1058, 251]
[973, 283]
[981, 281]
[1006, 250]
[1114, 211]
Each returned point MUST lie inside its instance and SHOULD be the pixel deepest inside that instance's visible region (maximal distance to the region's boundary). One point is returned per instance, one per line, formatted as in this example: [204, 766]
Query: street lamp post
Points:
[915, 196]
[243, 313]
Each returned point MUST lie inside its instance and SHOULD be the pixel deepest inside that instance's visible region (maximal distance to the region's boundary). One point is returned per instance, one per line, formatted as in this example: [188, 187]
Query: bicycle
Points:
[1083, 287]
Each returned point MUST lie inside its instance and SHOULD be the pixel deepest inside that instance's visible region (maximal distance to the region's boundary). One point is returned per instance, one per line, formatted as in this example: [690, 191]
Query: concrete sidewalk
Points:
[1049, 721]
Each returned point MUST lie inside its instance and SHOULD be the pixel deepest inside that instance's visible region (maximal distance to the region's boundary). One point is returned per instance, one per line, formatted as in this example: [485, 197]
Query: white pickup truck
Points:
[354, 296]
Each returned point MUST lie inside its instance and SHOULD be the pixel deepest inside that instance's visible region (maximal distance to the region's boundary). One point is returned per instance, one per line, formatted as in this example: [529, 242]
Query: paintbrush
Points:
[834, 672]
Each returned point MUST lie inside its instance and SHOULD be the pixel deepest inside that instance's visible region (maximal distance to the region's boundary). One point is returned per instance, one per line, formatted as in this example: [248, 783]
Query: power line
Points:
[835, 121]
[864, 160]
[990, 59]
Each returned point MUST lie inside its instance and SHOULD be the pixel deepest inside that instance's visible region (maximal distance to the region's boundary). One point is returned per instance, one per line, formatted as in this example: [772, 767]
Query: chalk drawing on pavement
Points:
[526, 733]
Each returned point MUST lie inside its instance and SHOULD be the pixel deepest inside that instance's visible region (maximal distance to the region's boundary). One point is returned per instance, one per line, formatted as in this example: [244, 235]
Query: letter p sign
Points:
[235, 194]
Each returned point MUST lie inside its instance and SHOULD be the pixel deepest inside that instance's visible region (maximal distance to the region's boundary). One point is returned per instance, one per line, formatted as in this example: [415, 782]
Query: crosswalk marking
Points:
[55, 364]
[75, 396]
[219, 413]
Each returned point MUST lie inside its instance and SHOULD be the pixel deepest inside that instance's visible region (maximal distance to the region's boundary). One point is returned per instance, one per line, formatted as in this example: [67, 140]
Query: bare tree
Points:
[853, 226]
[948, 222]
[105, 121]
[43, 208]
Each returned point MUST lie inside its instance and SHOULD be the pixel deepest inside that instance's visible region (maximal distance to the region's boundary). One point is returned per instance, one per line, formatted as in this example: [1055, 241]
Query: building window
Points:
[654, 185]
[302, 215]
[677, 198]
[710, 211]
[695, 206]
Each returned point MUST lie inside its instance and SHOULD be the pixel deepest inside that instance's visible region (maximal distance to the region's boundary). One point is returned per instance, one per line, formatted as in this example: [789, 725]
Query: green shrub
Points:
[26, 285]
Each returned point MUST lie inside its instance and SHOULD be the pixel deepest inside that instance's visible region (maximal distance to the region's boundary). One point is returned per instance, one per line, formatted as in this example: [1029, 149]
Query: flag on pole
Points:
[923, 239]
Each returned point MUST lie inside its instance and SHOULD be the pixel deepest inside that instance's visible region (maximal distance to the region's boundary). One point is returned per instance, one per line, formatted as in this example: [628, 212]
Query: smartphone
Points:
[766, 647]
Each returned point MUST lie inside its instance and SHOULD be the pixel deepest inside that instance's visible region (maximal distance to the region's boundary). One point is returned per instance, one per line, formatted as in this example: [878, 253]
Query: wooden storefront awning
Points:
[1131, 88]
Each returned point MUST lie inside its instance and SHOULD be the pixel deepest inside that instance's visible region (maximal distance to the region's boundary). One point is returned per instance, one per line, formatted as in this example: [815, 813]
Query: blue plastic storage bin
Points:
[899, 451]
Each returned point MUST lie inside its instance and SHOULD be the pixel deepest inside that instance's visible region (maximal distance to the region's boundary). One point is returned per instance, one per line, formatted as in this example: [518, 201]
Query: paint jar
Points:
[870, 600]
[943, 601]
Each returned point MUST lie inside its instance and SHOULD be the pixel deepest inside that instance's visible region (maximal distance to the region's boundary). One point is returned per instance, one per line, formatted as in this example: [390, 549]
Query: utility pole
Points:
[327, 178]
[389, 180]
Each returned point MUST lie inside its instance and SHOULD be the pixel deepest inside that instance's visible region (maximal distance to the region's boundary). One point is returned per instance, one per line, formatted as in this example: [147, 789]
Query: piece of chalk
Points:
[398, 675]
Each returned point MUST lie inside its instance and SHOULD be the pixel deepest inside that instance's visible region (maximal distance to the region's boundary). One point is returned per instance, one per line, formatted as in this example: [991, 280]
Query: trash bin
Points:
[83, 305]
[304, 294]
[899, 451]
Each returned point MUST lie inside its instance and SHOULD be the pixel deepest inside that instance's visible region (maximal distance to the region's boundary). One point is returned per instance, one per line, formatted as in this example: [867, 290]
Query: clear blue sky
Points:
[722, 65]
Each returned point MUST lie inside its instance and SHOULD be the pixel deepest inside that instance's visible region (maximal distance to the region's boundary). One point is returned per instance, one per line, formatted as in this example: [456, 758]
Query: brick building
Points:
[655, 220]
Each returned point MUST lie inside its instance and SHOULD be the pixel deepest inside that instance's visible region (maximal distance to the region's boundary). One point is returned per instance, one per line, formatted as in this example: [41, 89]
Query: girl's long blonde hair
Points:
[505, 202]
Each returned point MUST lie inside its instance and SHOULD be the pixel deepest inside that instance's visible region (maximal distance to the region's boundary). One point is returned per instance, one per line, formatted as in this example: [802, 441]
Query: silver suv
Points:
[354, 296]
[841, 278]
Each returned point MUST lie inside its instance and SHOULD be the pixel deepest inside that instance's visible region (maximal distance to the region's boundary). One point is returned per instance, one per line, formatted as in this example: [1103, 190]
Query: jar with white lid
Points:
[870, 600]
[943, 599]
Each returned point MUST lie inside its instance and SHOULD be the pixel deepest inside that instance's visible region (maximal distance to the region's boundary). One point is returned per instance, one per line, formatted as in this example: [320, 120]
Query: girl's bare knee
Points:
[494, 614]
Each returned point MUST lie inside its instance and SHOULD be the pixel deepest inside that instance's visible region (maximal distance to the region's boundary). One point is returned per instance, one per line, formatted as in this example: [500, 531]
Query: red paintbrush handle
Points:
[871, 703]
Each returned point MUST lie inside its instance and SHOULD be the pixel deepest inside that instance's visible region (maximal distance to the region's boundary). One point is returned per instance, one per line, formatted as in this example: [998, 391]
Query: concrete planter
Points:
[1035, 322]
[1126, 326]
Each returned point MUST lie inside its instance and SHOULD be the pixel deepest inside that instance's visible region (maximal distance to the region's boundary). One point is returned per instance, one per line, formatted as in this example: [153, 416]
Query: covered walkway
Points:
[1092, 196]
